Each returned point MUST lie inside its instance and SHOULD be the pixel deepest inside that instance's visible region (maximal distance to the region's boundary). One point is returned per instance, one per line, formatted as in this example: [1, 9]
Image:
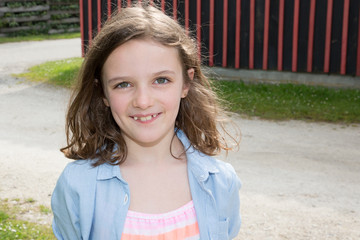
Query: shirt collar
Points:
[107, 171]
[200, 164]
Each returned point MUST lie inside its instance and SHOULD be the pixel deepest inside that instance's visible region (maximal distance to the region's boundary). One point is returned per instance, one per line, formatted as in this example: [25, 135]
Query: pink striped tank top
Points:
[178, 224]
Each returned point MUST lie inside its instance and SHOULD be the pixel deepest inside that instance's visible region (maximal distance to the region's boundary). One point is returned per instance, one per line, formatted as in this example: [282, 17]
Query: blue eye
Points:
[123, 85]
[161, 80]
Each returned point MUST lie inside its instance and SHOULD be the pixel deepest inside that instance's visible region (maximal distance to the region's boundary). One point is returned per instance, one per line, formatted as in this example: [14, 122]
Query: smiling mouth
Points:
[145, 118]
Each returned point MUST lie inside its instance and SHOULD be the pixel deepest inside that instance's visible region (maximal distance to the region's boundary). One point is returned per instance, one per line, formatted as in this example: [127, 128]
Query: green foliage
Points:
[61, 16]
[65, 26]
[64, 1]
[24, 4]
[24, 14]
[65, 7]
[40, 25]
[30, 32]
[13, 4]
[13, 24]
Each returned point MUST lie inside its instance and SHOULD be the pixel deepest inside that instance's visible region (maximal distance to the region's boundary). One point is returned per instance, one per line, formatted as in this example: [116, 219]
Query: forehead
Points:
[142, 57]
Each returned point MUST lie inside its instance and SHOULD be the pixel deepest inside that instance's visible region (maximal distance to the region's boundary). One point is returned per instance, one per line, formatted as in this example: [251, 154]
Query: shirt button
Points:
[126, 198]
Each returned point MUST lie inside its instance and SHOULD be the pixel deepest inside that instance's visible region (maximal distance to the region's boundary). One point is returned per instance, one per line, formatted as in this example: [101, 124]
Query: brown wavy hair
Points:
[91, 131]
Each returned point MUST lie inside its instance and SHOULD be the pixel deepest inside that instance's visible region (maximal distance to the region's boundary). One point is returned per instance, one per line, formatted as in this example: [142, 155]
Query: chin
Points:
[146, 139]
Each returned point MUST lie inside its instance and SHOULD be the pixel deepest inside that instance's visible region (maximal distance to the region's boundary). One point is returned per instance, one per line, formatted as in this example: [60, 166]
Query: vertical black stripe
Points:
[303, 35]
[336, 36]
[218, 32]
[244, 34]
[231, 34]
[319, 36]
[259, 33]
[205, 19]
[273, 34]
[288, 35]
[352, 37]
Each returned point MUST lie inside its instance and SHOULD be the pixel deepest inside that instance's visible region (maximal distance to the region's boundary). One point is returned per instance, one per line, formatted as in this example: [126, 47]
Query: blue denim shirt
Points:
[92, 203]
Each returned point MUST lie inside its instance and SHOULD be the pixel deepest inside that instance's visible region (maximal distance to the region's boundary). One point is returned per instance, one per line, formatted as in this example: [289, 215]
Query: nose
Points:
[143, 98]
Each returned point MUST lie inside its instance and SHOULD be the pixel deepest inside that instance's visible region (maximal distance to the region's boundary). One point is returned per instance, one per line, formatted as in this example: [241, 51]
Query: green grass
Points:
[289, 101]
[30, 200]
[12, 228]
[266, 101]
[61, 73]
[45, 210]
[39, 37]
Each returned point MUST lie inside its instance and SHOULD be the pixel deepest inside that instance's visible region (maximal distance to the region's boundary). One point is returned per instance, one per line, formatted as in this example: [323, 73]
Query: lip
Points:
[145, 118]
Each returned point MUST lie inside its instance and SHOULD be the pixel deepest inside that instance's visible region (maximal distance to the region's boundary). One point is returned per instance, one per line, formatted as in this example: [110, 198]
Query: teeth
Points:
[143, 119]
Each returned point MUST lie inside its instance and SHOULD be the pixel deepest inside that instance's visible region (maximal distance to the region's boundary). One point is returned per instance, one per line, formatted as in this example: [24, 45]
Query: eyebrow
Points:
[124, 78]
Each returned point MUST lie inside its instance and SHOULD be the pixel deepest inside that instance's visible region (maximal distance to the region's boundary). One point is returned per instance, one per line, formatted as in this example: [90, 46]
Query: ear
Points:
[186, 86]
[191, 73]
[106, 102]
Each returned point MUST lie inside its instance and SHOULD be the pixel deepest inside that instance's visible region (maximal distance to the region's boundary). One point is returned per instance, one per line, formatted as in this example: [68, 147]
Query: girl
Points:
[143, 122]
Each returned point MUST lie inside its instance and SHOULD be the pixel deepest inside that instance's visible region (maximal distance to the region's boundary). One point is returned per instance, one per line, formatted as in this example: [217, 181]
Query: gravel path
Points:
[300, 180]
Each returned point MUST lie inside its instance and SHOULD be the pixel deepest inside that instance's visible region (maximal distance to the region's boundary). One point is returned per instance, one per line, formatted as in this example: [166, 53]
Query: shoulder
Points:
[84, 166]
[203, 166]
[225, 175]
[72, 199]
[219, 172]
[78, 180]
[78, 174]
[80, 169]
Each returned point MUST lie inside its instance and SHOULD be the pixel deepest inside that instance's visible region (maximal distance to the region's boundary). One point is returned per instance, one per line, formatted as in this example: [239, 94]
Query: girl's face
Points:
[143, 84]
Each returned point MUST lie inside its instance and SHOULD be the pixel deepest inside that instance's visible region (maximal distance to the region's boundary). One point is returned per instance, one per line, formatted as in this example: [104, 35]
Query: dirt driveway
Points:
[300, 180]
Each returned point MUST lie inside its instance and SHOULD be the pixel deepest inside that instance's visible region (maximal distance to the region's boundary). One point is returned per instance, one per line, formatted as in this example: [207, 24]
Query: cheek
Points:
[172, 101]
[118, 105]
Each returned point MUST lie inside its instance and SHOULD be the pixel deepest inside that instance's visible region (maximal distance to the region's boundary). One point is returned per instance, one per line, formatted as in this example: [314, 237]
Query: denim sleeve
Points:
[234, 200]
[65, 207]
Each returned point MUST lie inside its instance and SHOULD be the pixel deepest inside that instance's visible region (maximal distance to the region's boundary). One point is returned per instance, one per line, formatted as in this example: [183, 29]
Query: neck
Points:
[155, 153]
